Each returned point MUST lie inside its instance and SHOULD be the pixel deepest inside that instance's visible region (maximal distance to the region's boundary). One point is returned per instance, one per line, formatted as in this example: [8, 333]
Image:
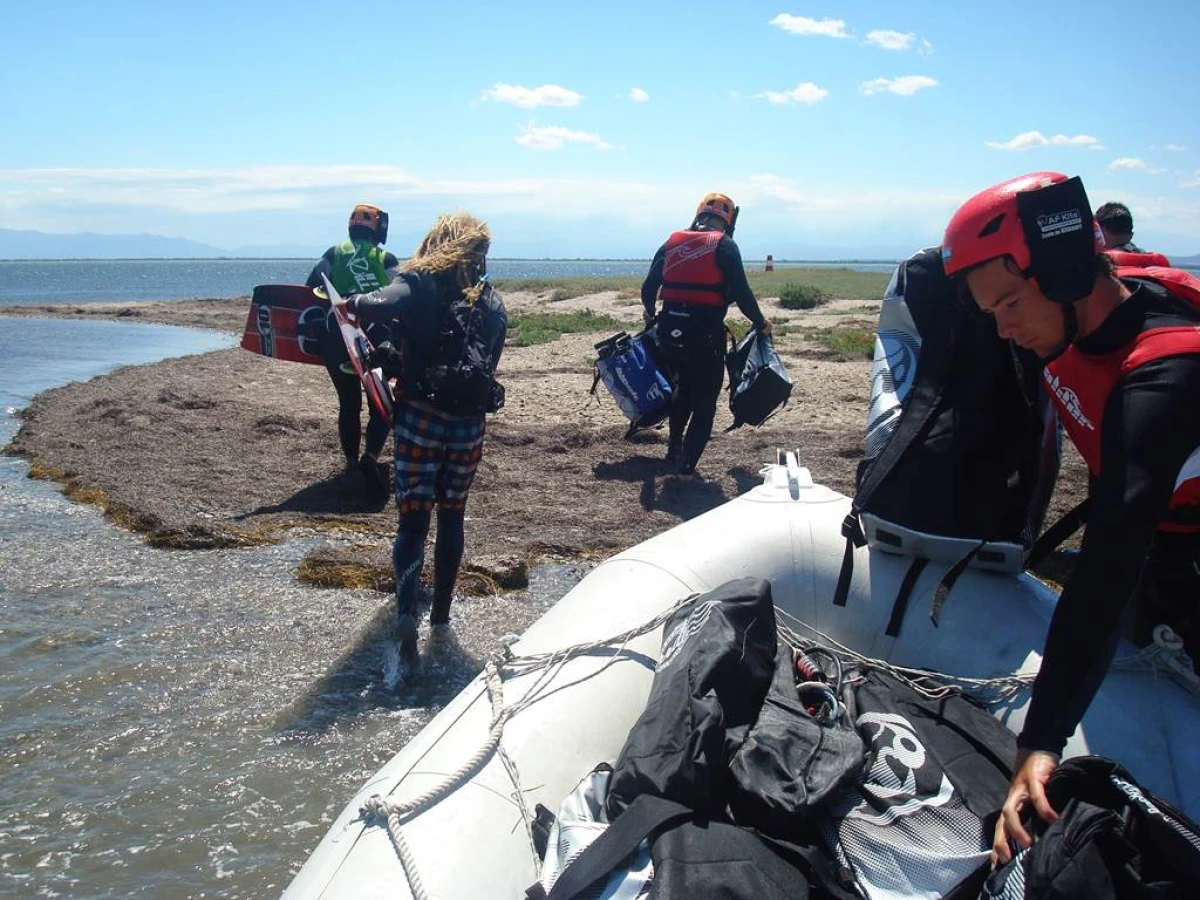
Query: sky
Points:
[591, 129]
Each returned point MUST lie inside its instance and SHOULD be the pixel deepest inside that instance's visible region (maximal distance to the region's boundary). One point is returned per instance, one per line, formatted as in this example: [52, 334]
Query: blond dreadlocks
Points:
[454, 250]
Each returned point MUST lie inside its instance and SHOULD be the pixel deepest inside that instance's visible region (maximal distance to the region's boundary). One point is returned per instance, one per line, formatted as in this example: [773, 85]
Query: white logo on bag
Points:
[1059, 223]
[679, 635]
[899, 781]
[1069, 399]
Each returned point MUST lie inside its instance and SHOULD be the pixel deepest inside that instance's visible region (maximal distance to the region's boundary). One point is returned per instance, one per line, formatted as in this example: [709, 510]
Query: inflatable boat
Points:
[451, 815]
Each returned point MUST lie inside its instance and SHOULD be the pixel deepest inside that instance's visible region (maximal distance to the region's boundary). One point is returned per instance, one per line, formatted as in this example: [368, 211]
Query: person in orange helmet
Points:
[697, 274]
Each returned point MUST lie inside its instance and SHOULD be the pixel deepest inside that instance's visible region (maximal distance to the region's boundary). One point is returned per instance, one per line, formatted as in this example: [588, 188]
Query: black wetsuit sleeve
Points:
[324, 267]
[1151, 425]
[654, 280]
[737, 288]
[496, 329]
[392, 302]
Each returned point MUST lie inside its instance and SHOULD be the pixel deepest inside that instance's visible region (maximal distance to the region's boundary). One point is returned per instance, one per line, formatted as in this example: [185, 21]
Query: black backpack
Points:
[460, 375]
[1113, 840]
[957, 442]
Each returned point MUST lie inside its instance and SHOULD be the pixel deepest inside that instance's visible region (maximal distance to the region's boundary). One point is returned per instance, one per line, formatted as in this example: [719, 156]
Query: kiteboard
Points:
[358, 345]
[285, 322]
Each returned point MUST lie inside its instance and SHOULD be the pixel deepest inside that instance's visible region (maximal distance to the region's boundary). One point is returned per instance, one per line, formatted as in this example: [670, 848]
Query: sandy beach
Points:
[229, 448]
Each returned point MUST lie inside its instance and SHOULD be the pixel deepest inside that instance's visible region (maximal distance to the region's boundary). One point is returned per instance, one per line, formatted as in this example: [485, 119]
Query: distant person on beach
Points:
[697, 273]
[1122, 365]
[1116, 224]
[443, 311]
[355, 266]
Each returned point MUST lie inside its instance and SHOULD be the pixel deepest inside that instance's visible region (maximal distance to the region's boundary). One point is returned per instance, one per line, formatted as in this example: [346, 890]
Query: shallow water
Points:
[185, 723]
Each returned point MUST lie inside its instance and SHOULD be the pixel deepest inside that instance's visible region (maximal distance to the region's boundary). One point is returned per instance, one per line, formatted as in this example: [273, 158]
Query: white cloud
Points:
[1176, 147]
[229, 207]
[637, 95]
[530, 98]
[806, 94]
[1028, 139]
[926, 48]
[1127, 162]
[834, 28]
[891, 40]
[552, 137]
[905, 85]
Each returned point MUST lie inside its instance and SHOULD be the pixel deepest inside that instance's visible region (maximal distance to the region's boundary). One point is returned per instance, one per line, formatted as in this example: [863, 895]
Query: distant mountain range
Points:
[86, 245]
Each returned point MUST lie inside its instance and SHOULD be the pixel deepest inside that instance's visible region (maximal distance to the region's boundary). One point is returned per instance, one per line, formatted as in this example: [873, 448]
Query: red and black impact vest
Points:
[1140, 259]
[690, 274]
[1080, 383]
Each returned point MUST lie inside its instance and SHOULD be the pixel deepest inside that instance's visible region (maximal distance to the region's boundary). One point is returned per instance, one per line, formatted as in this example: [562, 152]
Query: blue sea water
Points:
[106, 280]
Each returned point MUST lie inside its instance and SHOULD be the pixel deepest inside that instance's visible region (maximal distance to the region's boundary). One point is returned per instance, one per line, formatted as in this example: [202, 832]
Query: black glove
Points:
[386, 358]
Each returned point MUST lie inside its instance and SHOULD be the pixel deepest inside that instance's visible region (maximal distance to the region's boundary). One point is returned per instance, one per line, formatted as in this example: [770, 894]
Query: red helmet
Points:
[372, 218]
[1042, 220]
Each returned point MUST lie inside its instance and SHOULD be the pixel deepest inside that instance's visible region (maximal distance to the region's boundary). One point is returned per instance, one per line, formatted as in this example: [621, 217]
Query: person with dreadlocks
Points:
[448, 331]
[355, 266]
[1121, 357]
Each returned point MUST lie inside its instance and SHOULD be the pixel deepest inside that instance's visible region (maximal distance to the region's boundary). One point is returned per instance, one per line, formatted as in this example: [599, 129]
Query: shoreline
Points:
[228, 448]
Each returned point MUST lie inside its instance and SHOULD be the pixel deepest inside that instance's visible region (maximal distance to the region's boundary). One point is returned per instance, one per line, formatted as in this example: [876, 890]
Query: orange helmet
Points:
[718, 205]
[373, 219]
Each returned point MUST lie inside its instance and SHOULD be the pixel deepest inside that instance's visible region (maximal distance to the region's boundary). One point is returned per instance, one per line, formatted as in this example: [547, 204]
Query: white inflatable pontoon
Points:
[555, 711]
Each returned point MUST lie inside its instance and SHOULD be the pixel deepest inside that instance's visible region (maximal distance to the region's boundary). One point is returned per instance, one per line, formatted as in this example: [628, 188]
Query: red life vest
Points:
[1141, 259]
[690, 272]
[1080, 383]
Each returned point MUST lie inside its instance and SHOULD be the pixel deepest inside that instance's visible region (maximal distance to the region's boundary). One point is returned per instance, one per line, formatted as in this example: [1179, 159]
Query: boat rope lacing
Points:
[928, 683]
[548, 665]
[1165, 655]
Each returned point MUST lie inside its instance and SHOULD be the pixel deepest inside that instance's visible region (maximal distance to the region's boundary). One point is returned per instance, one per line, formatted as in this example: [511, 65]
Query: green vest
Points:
[358, 267]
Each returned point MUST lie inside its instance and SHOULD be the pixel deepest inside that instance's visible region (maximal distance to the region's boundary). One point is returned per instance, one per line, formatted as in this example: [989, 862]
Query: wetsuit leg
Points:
[706, 372]
[377, 432]
[349, 391]
[681, 411]
[408, 555]
[447, 557]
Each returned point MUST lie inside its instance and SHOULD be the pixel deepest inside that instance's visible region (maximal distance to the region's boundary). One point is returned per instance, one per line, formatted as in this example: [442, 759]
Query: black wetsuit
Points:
[701, 367]
[1151, 426]
[345, 380]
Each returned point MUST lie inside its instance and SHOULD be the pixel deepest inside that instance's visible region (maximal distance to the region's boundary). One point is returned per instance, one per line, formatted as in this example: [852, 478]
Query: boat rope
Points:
[929, 683]
[547, 665]
[1164, 657]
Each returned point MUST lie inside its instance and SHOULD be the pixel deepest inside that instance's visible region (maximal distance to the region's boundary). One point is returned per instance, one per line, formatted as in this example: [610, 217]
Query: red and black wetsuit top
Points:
[690, 272]
[1129, 395]
[701, 270]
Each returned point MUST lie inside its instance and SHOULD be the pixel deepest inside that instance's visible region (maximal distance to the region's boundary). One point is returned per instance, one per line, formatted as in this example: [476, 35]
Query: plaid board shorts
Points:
[436, 456]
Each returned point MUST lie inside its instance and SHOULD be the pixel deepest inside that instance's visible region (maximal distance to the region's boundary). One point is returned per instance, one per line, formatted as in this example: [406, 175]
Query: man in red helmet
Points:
[698, 273]
[357, 265]
[1122, 364]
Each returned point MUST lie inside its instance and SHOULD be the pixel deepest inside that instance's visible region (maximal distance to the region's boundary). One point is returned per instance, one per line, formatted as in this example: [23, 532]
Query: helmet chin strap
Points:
[1070, 332]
